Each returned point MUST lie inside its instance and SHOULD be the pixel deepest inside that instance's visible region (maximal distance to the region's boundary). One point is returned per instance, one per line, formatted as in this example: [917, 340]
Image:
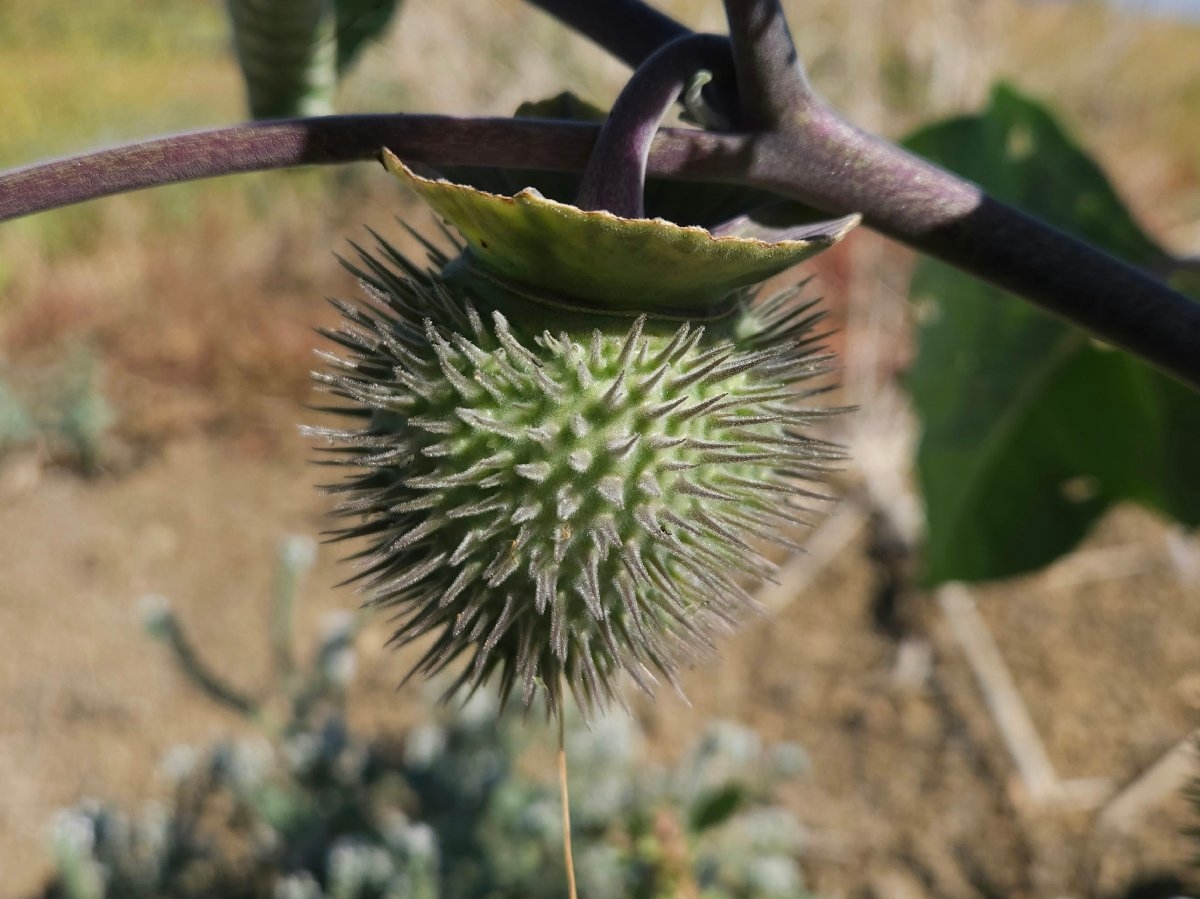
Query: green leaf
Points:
[594, 260]
[292, 52]
[716, 807]
[359, 22]
[287, 50]
[1031, 429]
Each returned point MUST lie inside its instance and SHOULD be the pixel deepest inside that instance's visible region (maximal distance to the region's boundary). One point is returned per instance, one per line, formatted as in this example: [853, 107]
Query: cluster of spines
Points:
[564, 507]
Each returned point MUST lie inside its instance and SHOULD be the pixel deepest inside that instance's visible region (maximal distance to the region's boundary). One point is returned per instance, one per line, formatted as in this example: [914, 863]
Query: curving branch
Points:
[264, 146]
[615, 176]
[772, 85]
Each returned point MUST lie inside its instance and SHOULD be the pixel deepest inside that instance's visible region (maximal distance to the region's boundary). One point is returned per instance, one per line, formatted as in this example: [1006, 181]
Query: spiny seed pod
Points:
[568, 438]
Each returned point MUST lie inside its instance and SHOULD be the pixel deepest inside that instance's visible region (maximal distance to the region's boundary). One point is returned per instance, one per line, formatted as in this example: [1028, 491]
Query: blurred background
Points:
[154, 359]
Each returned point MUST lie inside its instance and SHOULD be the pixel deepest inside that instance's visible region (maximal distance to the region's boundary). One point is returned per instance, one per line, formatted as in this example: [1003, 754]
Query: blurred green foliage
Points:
[292, 52]
[71, 68]
[1030, 429]
[59, 409]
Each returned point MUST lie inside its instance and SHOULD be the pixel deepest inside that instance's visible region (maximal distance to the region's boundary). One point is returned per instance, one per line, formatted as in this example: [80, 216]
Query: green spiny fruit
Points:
[565, 486]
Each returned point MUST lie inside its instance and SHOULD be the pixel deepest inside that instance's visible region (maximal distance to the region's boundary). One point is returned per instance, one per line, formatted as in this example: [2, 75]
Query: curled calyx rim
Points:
[593, 260]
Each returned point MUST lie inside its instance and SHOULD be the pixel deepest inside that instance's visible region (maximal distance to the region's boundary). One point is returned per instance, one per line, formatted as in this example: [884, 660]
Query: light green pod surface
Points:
[599, 261]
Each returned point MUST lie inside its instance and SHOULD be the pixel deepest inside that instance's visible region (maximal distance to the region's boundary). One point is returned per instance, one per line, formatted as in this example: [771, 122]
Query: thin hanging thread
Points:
[566, 805]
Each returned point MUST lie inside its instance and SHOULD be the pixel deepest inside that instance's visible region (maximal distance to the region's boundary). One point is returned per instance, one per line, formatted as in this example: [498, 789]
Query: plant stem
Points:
[632, 31]
[806, 151]
[825, 161]
[615, 177]
[771, 82]
[628, 29]
[568, 858]
[200, 675]
[821, 160]
[264, 146]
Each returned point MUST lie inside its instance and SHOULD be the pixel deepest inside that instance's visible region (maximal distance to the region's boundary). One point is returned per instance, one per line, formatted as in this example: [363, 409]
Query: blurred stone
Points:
[20, 474]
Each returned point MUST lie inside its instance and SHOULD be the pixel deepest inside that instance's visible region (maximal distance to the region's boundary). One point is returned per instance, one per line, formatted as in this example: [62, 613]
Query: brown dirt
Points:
[909, 785]
[913, 785]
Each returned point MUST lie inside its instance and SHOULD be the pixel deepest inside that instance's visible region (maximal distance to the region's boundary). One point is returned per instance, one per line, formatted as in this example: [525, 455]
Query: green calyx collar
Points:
[600, 261]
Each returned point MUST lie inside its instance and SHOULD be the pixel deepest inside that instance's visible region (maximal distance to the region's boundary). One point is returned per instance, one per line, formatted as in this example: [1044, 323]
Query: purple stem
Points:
[628, 29]
[809, 152]
[772, 85]
[826, 162]
[632, 31]
[262, 146]
[615, 177]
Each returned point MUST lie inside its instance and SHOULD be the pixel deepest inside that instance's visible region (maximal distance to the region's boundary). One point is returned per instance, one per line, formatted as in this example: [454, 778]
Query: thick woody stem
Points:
[825, 161]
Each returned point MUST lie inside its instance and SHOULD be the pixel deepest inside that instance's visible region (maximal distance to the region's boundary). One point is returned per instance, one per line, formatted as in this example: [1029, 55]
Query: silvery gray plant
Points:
[310, 810]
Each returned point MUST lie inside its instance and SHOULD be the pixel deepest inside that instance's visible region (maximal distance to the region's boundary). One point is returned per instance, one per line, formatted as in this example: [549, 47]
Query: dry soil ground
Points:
[911, 788]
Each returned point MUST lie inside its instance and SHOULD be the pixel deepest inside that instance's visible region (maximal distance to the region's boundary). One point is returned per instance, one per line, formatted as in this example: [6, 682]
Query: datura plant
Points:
[570, 438]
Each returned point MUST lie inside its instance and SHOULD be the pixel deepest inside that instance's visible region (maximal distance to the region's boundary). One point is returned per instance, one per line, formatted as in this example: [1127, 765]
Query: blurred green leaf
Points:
[717, 806]
[84, 415]
[1031, 429]
[358, 23]
[287, 50]
[292, 52]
